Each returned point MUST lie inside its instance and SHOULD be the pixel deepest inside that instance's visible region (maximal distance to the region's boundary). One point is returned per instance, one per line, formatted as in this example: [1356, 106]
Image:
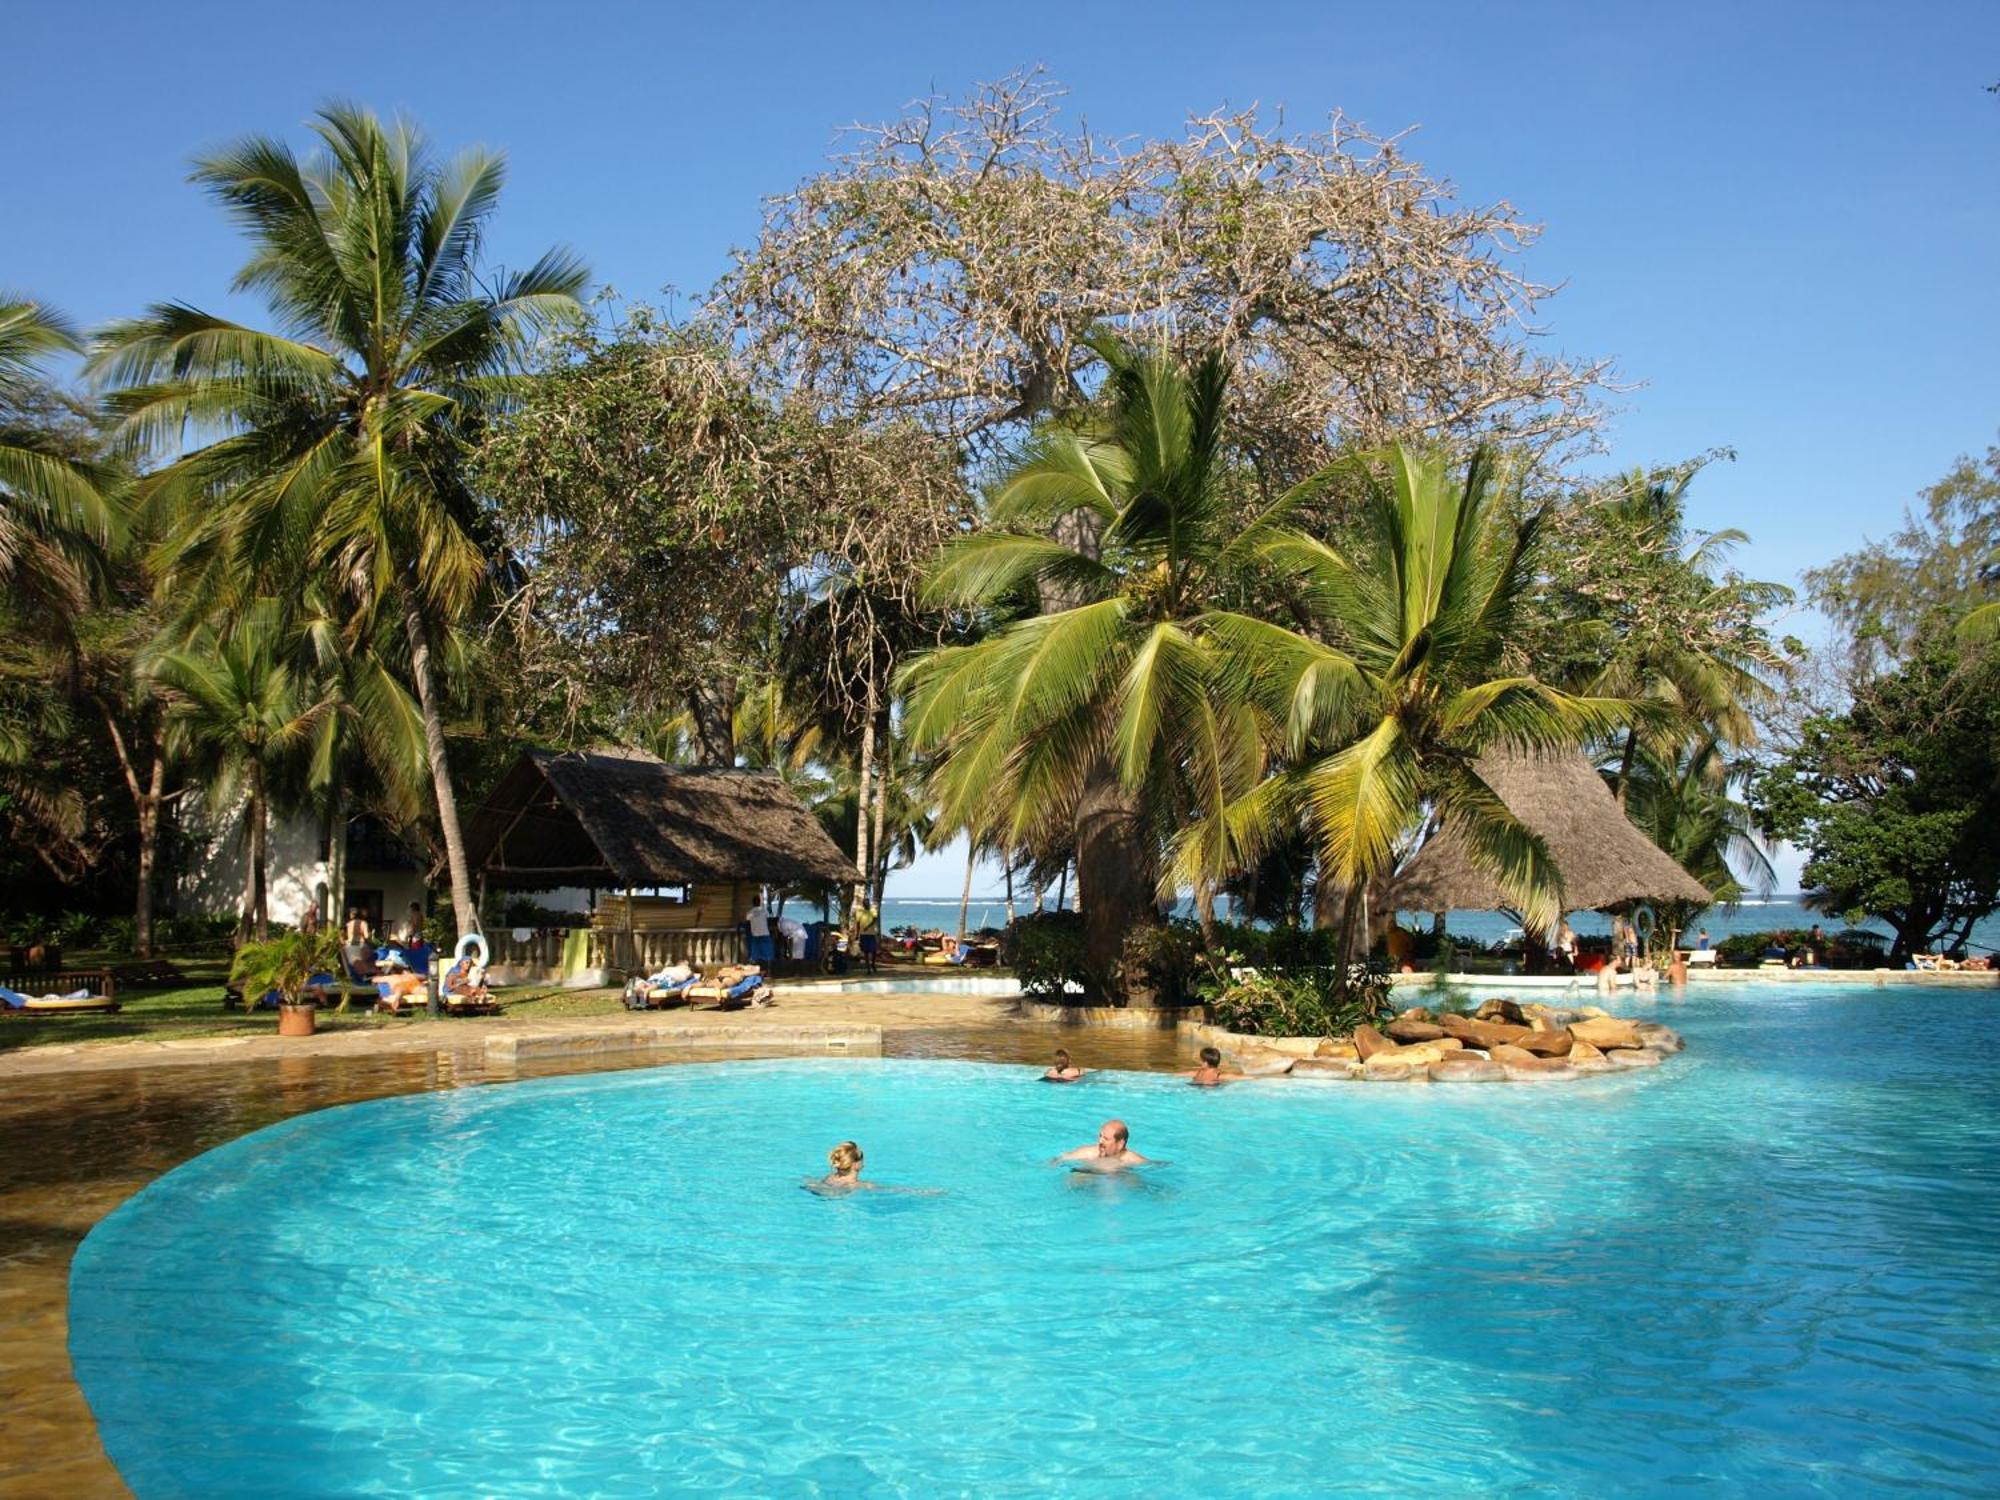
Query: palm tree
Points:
[1683, 802]
[1680, 649]
[336, 444]
[1403, 676]
[239, 718]
[54, 517]
[1099, 719]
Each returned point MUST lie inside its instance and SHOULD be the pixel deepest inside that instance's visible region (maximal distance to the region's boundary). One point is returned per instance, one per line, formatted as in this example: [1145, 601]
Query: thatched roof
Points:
[1603, 859]
[623, 818]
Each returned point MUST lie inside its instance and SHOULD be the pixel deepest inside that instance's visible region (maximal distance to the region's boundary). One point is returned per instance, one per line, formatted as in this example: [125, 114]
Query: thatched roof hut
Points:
[1603, 859]
[615, 818]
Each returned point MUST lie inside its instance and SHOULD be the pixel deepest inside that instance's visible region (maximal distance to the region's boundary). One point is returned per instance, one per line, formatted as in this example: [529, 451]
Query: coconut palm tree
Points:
[1403, 675]
[1100, 718]
[335, 444]
[1683, 648]
[55, 518]
[1684, 803]
[239, 718]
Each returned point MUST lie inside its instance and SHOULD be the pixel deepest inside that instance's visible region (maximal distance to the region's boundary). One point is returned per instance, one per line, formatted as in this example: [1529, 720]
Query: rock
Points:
[1584, 1052]
[1416, 1013]
[1606, 1033]
[1592, 1013]
[1326, 1067]
[1596, 1064]
[1403, 1030]
[1368, 1041]
[1657, 1037]
[1345, 1050]
[1547, 1043]
[1421, 1055]
[1515, 1057]
[1466, 1068]
[1485, 1035]
[1498, 1009]
[1392, 1072]
[1539, 1023]
[1263, 1062]
[1554, 1072]
[1627, 1057]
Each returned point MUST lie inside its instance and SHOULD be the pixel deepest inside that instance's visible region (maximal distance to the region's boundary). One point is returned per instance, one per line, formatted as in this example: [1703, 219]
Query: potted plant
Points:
[286, 963]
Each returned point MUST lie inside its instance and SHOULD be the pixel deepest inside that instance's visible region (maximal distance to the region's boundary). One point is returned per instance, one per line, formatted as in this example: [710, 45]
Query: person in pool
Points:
[1111, 1152]
[1211, 1074]
[845, 1160]
[845, 1178]
[1063, 1070]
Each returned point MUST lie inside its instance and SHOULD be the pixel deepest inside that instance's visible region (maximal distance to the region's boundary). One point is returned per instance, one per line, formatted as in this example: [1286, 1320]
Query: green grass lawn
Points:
[194, 1010]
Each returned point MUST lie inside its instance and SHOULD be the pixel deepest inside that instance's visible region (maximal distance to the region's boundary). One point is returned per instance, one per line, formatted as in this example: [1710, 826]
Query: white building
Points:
[372, 871]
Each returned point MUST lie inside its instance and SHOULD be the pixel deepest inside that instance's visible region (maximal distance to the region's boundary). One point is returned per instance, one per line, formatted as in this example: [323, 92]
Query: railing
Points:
[644, 950]
[649, 950]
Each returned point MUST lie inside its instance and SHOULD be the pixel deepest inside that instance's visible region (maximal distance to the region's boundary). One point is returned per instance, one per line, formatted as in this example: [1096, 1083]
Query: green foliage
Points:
[1046, 952]
[1289, 981]
[1888, 596]
[1851, 948]
[1408, 670]
[1301, 1003]
[1166, 960]
[1896, 800]
[284, 963]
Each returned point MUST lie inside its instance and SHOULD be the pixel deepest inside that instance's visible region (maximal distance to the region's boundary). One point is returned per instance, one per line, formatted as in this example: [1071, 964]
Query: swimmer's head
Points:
[1210, 1058]
[1062, 1057]
[1111, 1138]
[845, 1158]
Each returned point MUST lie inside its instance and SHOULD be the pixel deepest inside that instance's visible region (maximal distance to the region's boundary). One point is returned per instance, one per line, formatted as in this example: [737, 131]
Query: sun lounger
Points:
[658, 991]
[732, 988]
[464, 993]
[69, 994]
[1701, 956]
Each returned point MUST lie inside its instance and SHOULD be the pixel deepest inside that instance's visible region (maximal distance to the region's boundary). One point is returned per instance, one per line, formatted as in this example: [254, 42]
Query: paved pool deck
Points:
[806, 1018]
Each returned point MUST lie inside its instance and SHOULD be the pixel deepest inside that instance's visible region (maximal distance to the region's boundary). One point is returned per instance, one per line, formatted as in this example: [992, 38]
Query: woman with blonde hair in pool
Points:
[846, 1159]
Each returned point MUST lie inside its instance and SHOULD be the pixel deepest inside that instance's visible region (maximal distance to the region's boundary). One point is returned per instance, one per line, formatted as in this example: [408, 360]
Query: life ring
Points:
[1643, 922]
[475, 940]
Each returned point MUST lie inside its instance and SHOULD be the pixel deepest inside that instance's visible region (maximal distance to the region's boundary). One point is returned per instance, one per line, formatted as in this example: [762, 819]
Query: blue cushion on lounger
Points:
[12, 999]
[744, 986]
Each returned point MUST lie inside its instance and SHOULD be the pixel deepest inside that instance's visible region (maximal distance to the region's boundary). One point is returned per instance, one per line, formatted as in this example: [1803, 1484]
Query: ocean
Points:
[1757, 914]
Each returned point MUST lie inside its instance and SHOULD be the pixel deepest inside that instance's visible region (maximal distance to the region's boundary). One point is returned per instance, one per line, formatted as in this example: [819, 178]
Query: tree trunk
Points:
[965, 894]
[146, 802]
[885, 764]
[1625, 765]
[1204, 910]
[447, 802]
[712, 705]
[336, 856]
[1007, 872]
[863, 821]
[1114, 875]
[260, 914]
[149, 848]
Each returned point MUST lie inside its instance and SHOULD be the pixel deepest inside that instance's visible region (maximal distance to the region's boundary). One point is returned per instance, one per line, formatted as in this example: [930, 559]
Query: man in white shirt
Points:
[759, 919]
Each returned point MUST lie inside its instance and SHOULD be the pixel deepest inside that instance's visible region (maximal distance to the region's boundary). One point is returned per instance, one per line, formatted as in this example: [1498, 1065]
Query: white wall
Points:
[213, 872]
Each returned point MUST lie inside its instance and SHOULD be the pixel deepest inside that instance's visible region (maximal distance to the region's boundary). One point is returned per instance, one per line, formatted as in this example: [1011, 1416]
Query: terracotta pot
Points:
[297, 1020]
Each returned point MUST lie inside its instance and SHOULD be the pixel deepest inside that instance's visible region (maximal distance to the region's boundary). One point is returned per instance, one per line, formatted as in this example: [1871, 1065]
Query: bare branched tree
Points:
[949, 264]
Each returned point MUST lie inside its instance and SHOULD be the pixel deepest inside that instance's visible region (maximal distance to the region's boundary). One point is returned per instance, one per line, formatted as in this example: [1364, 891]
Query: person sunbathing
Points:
[1063, 1070]
[1111, 1152]
[1211, 1073]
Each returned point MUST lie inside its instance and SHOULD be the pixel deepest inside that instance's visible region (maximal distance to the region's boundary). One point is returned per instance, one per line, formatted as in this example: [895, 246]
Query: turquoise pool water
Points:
[1768, 1267]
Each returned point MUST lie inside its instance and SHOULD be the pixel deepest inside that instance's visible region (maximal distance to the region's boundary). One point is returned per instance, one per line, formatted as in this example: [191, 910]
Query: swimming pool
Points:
[1766, 1266]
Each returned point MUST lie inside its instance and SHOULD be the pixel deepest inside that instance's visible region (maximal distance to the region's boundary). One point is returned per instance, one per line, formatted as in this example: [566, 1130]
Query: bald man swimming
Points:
[1111, 1152]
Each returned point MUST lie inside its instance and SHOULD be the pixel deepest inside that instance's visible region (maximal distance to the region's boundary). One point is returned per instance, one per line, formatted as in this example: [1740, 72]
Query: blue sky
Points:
[1779, 219]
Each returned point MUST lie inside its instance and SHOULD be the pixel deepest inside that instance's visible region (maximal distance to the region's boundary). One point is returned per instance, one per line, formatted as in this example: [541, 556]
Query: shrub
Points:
[1853, 948]
[1306, 1002]
[118, 934]
[1166, 960]
[1045, 951]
